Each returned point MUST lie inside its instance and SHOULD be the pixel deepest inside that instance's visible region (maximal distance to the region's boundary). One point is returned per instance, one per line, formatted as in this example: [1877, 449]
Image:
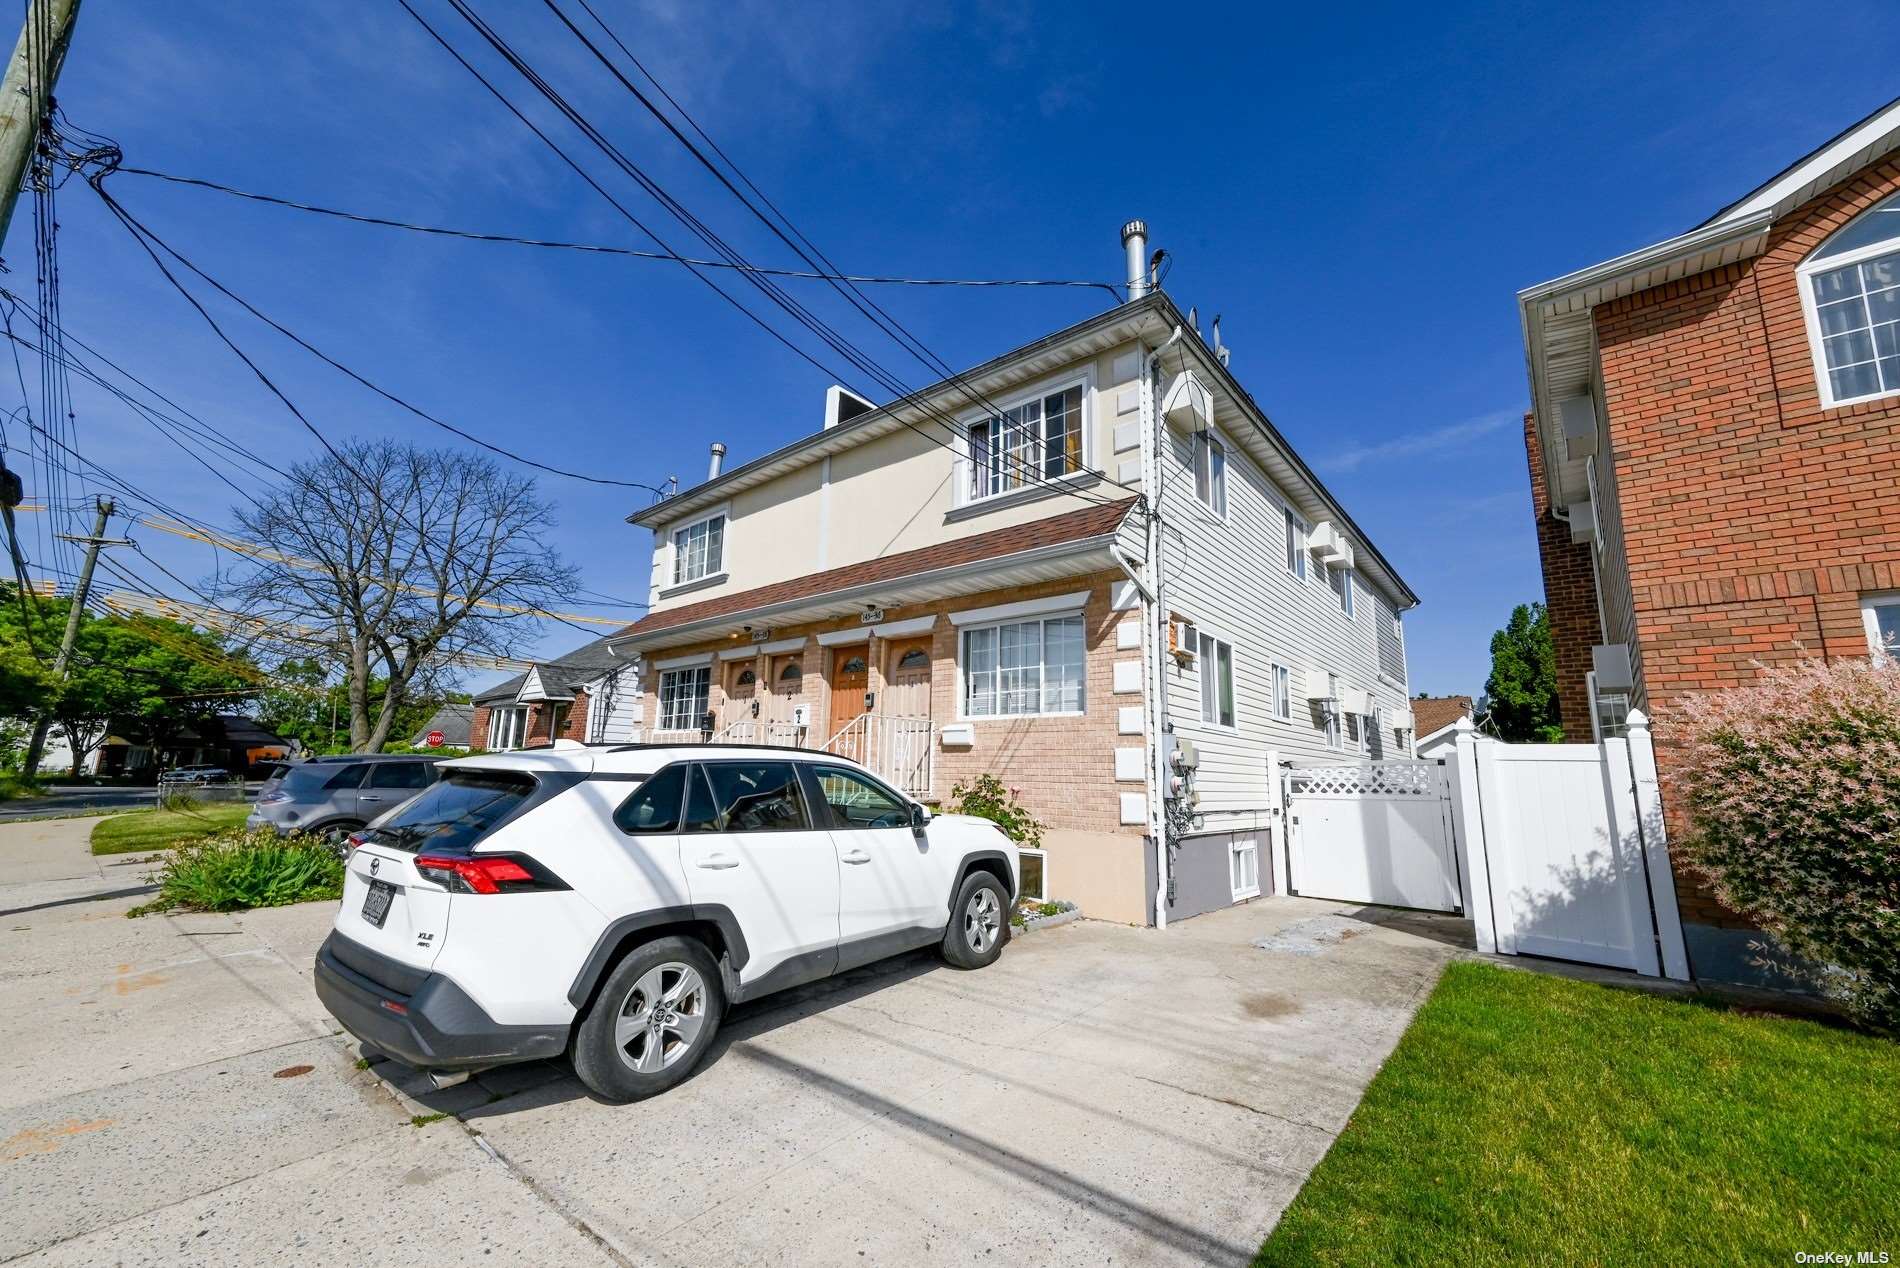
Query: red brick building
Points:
[1714, 444]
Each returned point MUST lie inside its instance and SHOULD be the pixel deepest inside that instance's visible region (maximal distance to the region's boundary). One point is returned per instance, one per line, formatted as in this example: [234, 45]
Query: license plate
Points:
[376, 902]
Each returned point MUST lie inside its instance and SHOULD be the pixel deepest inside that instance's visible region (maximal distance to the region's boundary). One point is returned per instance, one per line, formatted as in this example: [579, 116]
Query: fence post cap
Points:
[1637, 720]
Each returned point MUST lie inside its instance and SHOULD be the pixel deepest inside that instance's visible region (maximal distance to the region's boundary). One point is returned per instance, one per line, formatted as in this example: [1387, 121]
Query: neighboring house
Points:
[962, 583]
[231, 740]
[455, 722]
[1433, 721]
[589, 695]
[1712, 454]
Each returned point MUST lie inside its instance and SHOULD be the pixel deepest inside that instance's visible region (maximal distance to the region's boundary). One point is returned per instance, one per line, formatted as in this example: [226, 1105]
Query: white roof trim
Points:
[1027, 607]
[1853, 150]
[747, 652]
[904, 629]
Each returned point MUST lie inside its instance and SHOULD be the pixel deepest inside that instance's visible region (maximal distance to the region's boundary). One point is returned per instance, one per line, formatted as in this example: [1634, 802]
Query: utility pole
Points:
[27, 93]
[37, 746]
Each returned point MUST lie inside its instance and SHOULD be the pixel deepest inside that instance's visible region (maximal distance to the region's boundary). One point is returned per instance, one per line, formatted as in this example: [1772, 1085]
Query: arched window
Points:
[746, 678]
[853, 665]
[915, 658]
[1851, 291]
[792, 672]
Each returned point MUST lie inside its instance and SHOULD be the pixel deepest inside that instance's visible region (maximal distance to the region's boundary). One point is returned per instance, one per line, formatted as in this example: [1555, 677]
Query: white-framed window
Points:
[1282, 693]
[1850, 293]
[507, 728]
[1042, 437]
[1609, 711]
[1023, 668]
[684, 697]
[1217, 680]
[699, 549]
[1035, 875]
[1880, 613]
[1244, 867]
[1340, 579]
[1296, 531]
[1210, 472]
[1334, 720]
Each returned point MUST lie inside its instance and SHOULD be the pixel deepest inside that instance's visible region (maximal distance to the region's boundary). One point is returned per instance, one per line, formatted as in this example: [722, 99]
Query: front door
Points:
[908, 692]
[742, 702]
[850, 676]
[749, 842]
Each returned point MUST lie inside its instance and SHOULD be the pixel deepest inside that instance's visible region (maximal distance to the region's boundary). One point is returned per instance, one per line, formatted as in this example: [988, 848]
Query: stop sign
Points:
[434, 739]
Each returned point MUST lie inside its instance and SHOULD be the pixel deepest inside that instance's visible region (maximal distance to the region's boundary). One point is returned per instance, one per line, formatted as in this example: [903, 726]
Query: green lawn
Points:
[1532, 1119]
[162, 829]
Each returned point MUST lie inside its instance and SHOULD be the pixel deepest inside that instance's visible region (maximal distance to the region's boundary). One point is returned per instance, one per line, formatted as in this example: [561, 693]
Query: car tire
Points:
[336, 835]
[626, 1051]
[979, 922]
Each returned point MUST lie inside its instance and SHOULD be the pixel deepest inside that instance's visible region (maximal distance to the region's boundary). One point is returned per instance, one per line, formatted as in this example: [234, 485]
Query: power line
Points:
[595, 248]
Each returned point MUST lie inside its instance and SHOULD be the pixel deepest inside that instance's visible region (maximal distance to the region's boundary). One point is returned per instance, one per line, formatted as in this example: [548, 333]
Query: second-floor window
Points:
[1040, 439]
[1295, 545]
[699, 549]
[1217, 681]
[1282, 693]
[1340, 579]
[1210, 471]
[1852, 292]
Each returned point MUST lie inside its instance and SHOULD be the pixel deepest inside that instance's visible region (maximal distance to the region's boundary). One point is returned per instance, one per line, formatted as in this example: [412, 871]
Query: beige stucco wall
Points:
[889, 495]
[1103, 873]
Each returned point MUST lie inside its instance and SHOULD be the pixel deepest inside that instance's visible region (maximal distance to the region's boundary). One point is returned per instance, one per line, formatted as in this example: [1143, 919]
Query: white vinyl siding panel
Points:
[1230, 576]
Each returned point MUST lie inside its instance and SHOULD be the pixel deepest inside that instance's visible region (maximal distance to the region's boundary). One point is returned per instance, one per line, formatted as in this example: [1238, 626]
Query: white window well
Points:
[1850, 293]
[699, 549]
[1217, 680]
[1210, 471]
[1023, 668]
[684, 697]
[1244, 860]
[1035, 440]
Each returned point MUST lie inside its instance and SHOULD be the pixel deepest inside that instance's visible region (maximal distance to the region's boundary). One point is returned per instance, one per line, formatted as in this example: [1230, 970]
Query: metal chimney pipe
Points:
[718, 461]
[1135, 243]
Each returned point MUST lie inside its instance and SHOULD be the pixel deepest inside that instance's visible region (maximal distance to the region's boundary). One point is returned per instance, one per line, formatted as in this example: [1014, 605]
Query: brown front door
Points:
[907, 694]
[850, 675]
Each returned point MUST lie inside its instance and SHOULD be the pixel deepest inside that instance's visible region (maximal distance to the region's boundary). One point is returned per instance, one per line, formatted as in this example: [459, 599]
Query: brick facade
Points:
[1570, 596]
[573, 722]
[1753, 518]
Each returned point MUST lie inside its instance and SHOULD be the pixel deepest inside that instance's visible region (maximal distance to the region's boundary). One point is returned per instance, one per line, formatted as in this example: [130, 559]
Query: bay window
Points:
[1020, 668]
[1037, 440]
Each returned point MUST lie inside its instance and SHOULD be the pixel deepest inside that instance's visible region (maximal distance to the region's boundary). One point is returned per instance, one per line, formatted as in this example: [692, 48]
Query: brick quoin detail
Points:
[1754, 519]
[1570, 595]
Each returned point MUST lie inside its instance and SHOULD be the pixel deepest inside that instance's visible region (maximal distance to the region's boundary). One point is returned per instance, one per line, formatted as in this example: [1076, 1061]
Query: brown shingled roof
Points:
[1073, 526]
[1434, 713]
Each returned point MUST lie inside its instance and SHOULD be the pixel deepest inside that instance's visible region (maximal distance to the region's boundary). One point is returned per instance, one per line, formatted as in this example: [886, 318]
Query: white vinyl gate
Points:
[1374, 833]
[1552, 849]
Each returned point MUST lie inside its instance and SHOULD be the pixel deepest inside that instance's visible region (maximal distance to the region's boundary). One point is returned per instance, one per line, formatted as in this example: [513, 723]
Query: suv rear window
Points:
[457, 811]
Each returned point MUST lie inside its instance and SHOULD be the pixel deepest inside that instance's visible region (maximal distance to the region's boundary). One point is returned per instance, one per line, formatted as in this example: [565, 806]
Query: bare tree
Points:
[397, 562]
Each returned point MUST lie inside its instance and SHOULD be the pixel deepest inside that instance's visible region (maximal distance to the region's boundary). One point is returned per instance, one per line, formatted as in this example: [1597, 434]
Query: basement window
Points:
[1881, 615]
[1851, 294]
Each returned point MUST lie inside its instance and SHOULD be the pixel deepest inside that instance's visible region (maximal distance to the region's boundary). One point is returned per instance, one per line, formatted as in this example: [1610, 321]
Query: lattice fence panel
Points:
[1376, 779]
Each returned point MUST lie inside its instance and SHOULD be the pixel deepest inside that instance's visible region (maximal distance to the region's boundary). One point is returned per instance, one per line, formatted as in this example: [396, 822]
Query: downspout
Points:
[1156, 634]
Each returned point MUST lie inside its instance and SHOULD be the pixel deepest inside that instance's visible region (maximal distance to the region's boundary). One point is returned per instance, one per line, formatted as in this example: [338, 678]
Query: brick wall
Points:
[1754, 518]
[1569, 595]
[573, 723]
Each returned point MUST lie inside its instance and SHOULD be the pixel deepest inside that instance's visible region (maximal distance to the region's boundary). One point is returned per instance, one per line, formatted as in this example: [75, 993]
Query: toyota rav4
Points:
[613, 903]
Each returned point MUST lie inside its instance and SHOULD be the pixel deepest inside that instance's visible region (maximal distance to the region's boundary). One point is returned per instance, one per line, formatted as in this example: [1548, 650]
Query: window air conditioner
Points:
[1187, 404]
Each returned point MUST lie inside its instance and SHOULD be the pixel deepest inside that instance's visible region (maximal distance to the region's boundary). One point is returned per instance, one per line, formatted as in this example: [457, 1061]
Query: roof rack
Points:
[723, 744]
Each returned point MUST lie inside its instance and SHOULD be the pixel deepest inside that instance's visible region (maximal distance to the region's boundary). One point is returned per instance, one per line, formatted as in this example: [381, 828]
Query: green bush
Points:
[235, 871]
[1792, 787]
[986, 798]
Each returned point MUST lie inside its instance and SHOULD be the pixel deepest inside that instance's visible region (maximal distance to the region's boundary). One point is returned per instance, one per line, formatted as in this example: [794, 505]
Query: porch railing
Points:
[898, 750]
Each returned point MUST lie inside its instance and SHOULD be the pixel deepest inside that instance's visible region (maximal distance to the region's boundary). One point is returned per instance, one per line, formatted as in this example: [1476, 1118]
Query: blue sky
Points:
[1359, 191]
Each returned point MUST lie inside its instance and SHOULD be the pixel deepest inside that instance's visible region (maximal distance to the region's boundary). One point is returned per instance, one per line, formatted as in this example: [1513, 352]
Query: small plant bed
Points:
[236, 871]
[163, 829]
[1031, 915]
[1533, 1119]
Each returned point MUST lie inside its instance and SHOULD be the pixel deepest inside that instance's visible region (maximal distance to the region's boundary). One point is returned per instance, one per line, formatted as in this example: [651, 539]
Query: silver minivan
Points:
[334, 796]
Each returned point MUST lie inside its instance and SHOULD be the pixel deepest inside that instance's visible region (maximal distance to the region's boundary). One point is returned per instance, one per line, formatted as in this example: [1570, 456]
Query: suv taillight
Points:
[353, 840]
[486, 873]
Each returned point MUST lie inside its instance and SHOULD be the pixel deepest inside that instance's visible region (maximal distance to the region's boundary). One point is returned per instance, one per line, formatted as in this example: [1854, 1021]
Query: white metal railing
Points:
[898, 749]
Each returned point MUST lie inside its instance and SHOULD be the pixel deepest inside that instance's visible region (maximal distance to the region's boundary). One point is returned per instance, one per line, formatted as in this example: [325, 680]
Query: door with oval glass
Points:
[740, 710]
[850, 676]
[785, 689]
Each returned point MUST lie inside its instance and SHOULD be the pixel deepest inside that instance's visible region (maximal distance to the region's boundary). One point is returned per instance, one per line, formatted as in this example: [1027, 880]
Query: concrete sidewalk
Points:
[175, 1094]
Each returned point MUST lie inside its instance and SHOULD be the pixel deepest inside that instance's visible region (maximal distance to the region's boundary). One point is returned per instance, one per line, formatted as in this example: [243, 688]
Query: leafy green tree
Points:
[1522, 688]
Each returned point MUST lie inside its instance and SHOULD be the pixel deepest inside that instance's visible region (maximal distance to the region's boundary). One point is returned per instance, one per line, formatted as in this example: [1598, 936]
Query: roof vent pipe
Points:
[1135, 243]
[718, 462]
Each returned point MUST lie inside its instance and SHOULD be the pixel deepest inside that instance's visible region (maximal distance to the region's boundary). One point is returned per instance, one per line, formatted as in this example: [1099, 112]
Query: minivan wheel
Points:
[979, 922]
[652, 1022]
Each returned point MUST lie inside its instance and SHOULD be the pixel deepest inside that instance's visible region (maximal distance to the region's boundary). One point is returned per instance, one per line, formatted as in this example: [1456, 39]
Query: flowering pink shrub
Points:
[1792, 788]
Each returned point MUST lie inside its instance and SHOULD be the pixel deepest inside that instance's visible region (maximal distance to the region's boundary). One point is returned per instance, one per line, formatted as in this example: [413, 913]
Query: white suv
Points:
[614, 902]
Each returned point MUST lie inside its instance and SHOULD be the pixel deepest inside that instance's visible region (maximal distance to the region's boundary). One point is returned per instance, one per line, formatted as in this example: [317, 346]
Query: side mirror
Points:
[919, 814]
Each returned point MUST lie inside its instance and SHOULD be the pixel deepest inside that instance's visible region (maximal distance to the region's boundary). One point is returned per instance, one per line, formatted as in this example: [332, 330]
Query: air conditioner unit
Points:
[1355, 700]
[1611, 663]
[1329, 545]
[1578, 415]
[1187, 404]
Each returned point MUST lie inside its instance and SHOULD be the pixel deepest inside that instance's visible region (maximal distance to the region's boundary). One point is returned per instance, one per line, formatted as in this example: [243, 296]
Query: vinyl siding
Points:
[1230, 578]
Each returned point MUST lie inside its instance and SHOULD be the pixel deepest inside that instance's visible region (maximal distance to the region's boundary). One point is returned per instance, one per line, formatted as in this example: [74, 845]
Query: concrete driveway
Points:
[172, 1092]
